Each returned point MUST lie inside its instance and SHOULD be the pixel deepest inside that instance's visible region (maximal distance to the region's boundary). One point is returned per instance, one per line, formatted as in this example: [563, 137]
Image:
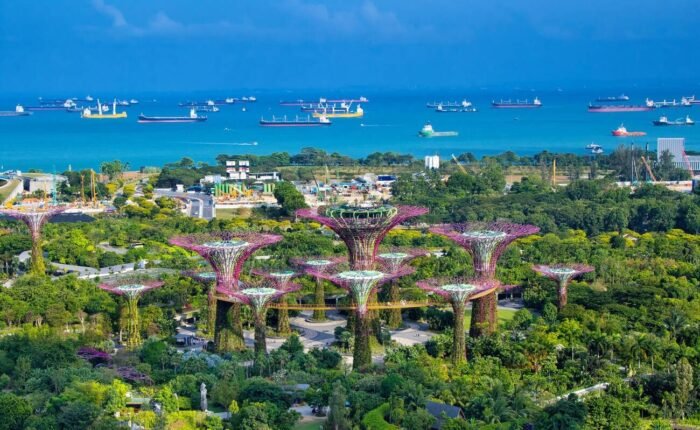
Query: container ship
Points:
[340, 113]
[517, 104]
[663, 121]
[622, 131]
[296, 122]
[620, 98]
[193, 117]
[19, 111]
[647, 106]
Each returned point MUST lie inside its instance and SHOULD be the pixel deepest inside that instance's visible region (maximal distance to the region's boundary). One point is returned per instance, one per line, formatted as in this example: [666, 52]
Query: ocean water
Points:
[56, 139]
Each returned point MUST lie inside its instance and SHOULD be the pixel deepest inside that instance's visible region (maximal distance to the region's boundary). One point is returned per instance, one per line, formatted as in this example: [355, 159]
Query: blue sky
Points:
[165, 45]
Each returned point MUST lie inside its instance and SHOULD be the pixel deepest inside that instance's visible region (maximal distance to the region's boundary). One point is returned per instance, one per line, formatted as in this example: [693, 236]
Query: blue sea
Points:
[55, 140]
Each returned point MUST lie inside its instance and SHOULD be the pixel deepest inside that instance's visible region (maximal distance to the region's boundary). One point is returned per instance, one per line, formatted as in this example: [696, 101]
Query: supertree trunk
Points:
[37, 265]
[229, 329]
[260, 338]
[133, 329]
[319, 300]
[459, 346]
[483, 316]
[563, 295]
[211, 311]
[283, 326]
[394, 319]
[362, 354]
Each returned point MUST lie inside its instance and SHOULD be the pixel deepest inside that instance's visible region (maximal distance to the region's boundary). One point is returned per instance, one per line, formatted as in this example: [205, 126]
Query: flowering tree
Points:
[318, 265]
[131, 290]
[485, 242]
[361, 227]
[458, 292]
[35, 218]
[563, 274]
[226, 252]
[360, 284]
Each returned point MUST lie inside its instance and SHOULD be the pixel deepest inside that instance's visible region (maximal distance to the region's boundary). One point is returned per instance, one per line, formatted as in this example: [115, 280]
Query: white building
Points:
[676, 147]
[432, 161]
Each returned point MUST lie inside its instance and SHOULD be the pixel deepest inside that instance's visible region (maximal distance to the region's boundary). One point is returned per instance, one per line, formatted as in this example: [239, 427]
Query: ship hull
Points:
[609, 109]
[294, 124]
[515, 106]
[13, 113]
[169, 120]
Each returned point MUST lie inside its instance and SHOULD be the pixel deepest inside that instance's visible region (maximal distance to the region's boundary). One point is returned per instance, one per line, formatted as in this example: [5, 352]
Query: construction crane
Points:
[459, 165]
[82, 189]
[92, 188]
[648, 168]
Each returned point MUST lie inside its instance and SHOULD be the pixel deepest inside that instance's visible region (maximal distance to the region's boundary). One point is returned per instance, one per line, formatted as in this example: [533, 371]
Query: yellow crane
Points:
[459, 165]
[648, 167]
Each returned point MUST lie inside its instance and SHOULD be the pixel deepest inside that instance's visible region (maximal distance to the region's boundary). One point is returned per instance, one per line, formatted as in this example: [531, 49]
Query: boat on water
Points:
[193, 117]
[204, 103]
[340, 113]
[133, 102]
[443, 109]
[298, 102]
[88, 114]
[647, 106]
[296, 122]
[207, 108]
[359, 100]
[620, 98]
[594, 148]
[463, 104]
[622, 131]
[429, 131]
[673, 103]
[517, 104]
[691, 99]
[19, 111]
[663, 121]
[124, 103]
[89, 98]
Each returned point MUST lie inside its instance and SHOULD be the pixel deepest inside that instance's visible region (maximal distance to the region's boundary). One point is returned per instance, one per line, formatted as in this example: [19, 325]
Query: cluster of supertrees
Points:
[34, 217]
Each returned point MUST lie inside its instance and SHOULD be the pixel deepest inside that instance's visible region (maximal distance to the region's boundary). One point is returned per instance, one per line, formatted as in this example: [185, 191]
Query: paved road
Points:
[200, 205]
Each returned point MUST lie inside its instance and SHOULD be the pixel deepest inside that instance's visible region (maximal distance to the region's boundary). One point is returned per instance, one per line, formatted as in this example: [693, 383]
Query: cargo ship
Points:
[622, 131]
[517, 104]
[428, 131]
[360, 100]
[193, 117]
[647, 106]
[298, 102]
[691, 99]
[620, 98]
[88, 114]
[663, 121]
[673, 104]
[443, 109]
[464, 104]
[296, 122]
[340, 113]
[19, 111]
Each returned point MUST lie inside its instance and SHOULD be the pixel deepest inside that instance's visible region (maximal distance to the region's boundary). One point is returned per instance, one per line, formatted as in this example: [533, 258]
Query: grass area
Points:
[232, 213]
[503, 316]
[6, 188]
[310, 425]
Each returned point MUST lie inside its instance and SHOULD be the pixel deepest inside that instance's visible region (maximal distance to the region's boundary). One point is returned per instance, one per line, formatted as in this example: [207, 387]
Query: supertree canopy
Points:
[226, 252]
[458, 292]
[131, 289]
[485, 242]
[360, 284]
[34, 218]
[361, 227]
[280, 279]
[392, 262]
[563, 274]
[258, 299]
[313, 265]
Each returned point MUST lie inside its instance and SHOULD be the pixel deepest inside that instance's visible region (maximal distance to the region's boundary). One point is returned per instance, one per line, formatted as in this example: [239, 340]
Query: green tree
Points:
[14, 411]
[337, 411]
[113, 169]
[288, 197]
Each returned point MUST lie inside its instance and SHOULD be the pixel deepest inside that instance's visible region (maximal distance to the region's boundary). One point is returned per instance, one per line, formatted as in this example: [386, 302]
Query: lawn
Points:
[504, 314]
[6, 187]
[310, 425]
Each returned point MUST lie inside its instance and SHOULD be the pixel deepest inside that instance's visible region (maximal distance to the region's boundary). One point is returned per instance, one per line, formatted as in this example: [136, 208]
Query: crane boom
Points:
[459, 165]
[646, 166]
[687, 164]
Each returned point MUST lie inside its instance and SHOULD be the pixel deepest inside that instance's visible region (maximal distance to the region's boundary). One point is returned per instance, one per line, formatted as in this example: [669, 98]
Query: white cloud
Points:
[117, 16]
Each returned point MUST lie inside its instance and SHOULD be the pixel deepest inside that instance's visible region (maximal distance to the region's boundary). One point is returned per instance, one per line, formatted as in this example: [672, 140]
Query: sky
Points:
[175, 45]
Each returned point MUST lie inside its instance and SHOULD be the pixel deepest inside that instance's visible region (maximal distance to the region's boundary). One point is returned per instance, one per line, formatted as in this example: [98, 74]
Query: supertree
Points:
[485, 242]
[208, 279]
[458, 292]
[131, 289]
[392, 262]
[360, 284]
[281, 280]
[258, 298]
[318, 265]
[226, 252]
[563, 274]
[361, 227]
[34, 218]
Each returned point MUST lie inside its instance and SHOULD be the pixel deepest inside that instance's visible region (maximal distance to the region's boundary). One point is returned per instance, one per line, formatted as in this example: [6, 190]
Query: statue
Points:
[203, 397]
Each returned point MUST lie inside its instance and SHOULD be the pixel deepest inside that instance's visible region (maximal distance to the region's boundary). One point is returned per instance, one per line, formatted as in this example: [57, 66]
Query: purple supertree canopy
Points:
[361, 283]
[396, 258]
[226, 252]
[484, 241]
[203, 276]
[34, 217]
[317, 264]
[361, 227]
[259, 297]
[278, 278]
[562, 273]
[130, 288]
[459, 290]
